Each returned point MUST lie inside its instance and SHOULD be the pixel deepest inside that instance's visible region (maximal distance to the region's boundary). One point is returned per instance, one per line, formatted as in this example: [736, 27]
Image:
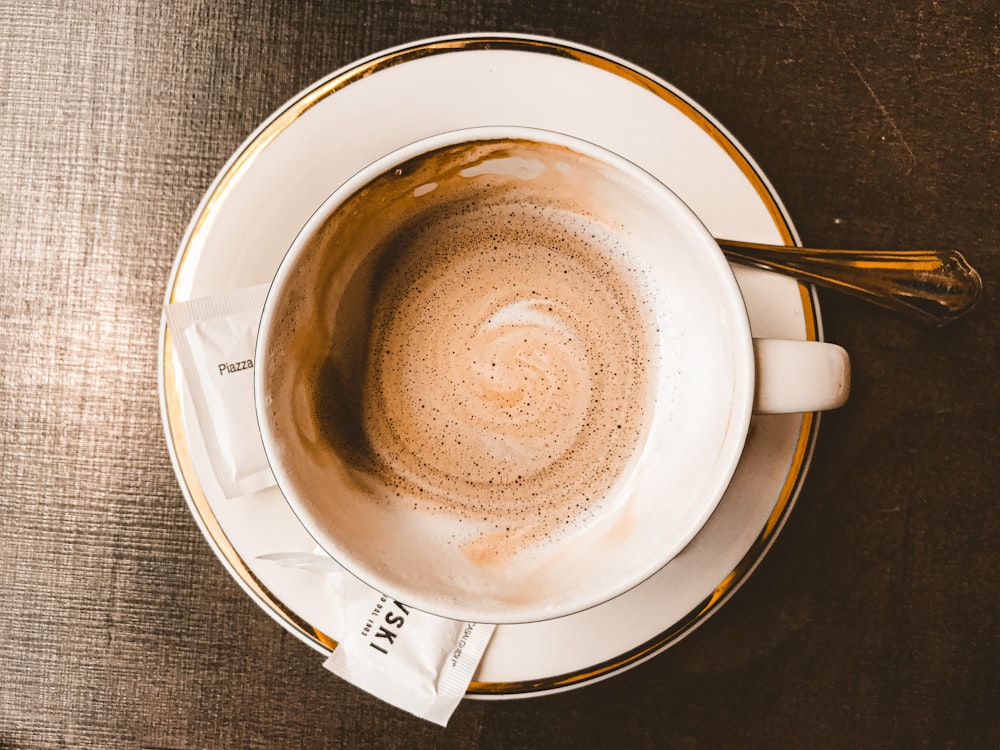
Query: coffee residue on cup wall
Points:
[491, 358]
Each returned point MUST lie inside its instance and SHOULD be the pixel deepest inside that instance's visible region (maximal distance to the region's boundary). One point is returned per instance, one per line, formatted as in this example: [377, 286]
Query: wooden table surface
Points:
[872, 623]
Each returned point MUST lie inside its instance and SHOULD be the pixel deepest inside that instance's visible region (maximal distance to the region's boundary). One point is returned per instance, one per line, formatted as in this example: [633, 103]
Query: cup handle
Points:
[800, 376]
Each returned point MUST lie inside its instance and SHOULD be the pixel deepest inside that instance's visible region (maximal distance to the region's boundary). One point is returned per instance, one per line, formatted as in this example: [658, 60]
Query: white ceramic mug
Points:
[504, 375]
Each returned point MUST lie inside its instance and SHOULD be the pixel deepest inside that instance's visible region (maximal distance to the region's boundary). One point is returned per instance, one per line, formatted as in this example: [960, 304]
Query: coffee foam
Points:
[484, 352]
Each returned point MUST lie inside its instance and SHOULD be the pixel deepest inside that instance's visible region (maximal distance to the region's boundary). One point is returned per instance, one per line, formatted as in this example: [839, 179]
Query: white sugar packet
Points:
[410, 659]
[415, 661]
[216, 340]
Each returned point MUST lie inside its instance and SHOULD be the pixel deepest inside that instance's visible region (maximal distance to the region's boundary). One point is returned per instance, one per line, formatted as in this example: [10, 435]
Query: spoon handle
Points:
[931, 286]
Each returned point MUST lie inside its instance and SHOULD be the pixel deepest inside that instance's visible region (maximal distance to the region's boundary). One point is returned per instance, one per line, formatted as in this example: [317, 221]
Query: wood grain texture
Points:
[874, 622]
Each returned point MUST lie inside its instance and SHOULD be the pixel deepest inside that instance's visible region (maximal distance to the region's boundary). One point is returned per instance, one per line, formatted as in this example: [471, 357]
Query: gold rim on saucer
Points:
[180, 286]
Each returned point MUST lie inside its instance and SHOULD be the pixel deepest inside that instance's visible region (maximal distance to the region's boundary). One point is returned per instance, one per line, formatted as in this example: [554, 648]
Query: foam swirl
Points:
[508, 371]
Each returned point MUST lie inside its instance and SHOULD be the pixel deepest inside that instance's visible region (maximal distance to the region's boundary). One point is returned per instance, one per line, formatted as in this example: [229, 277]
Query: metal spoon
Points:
[930, 286]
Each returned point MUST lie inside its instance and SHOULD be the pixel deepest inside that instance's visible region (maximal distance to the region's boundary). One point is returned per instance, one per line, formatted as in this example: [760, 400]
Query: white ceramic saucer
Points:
[297, 157]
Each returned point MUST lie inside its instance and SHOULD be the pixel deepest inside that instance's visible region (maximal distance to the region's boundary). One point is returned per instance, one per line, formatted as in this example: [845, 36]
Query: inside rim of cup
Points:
[743, 394]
